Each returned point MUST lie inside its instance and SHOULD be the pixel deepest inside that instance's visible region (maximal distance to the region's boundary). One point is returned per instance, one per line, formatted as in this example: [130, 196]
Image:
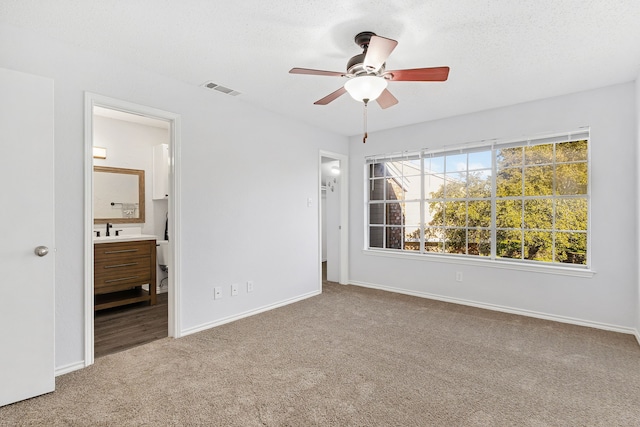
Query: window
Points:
[523, 200]
[394, 204]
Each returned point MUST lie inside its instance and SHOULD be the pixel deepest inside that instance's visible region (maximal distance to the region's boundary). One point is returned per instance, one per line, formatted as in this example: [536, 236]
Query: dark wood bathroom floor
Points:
[120, 328]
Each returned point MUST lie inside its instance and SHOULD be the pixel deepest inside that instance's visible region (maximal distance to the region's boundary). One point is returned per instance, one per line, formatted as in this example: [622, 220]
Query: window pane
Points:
[455, 241]
[571, 151]
[456, 162]
[456, 185]
[509, 244]
[538, 154]
[479, 242]
[394, 237]
[571, 248]
[433, 239]
[571, 214]
[571, 179]
[376, 170]
[509, 157]
[407, 167]
[394, 190]
[433, 186]
[412, 213]
[479, 184]
[538, 181]
[376, 213]
[375, 237]
[538, 246]
[394, 213]
[434, 164]
[376, 189]
[480, 160]
[508, 213]
[412, 187]
[412, 238]
[509, 183]
[538, 214]
[434, 213]
[455, 214]
[479, 213]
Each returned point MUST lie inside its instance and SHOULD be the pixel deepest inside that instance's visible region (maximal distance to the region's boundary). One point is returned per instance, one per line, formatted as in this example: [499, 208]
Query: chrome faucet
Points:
[108, 227]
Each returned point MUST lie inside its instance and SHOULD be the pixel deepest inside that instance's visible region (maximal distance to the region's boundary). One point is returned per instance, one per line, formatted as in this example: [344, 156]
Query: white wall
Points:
[244, 216]
[637, 109]
[609, 298]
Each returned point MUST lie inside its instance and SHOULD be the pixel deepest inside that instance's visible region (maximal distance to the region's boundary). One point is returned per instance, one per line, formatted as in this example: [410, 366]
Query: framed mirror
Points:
[118, 195]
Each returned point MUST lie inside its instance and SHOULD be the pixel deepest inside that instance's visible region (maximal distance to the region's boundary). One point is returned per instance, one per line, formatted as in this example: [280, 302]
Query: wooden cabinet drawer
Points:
[121, 266]
[121, 273]
[123, 281]
[104, 251]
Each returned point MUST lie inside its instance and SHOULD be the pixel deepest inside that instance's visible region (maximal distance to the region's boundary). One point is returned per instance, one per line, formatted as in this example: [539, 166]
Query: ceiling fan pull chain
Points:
[364, 138]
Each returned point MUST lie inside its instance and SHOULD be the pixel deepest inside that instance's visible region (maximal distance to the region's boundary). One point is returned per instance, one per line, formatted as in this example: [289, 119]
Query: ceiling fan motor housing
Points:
[355, 65]
[362, 39]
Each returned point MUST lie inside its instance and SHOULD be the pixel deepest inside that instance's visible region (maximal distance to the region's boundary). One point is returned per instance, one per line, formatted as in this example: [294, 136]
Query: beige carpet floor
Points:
[357, 357]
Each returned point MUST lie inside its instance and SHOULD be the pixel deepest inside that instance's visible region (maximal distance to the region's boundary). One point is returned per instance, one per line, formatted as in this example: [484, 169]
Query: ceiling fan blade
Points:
[378, 51]
[386, 99]
[332, 96]
[315, 72]
[435, 74]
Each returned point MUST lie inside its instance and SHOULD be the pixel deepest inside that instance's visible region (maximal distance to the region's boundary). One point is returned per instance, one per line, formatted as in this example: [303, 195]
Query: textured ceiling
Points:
[501, 52]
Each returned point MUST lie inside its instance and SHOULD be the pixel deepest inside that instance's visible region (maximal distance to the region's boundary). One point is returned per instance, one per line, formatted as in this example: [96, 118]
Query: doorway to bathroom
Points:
[131, 210]
[333, 226]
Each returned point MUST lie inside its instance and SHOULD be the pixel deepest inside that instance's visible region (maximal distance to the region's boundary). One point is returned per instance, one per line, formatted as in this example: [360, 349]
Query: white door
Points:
[26, 222]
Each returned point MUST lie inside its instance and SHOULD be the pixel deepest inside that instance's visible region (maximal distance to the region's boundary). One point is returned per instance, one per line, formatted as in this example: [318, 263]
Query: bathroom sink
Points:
[124, 238]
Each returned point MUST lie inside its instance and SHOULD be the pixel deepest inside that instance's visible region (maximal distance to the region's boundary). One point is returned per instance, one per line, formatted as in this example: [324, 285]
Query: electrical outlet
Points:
[217, 292]
[250, 286]
[458, 276]
[234, 289]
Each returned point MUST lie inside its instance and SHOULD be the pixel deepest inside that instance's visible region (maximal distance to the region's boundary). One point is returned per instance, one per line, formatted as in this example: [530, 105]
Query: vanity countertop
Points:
[124, 238]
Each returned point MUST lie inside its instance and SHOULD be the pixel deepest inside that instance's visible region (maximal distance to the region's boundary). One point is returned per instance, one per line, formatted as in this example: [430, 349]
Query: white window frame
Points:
[584, 270]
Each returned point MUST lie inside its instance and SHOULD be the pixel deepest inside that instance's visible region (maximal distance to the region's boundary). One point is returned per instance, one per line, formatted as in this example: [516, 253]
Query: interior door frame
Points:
[344, 214]
[95, 100]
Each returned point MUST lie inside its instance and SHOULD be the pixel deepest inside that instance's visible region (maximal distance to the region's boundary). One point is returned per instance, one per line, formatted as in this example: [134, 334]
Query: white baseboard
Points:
[61, 370]
[528, 313]
[249, 313]
[637, 334]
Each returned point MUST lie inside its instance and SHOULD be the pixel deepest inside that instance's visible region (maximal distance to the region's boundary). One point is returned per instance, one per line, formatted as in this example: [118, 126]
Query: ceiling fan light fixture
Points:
[365, 87]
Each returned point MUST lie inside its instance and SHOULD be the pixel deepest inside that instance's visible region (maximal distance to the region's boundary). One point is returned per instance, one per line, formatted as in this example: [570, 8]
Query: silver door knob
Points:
[41, 250]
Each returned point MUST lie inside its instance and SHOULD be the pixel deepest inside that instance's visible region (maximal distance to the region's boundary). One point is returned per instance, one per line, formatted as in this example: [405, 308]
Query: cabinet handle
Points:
[119, 252]
[121, 279]
[120, 265]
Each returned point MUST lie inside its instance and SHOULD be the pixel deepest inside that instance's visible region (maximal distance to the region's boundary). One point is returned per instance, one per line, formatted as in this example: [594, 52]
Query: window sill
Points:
[484, 262]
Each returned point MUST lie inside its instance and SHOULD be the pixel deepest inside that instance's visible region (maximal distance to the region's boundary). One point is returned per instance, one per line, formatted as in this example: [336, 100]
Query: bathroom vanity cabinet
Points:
[120, 270]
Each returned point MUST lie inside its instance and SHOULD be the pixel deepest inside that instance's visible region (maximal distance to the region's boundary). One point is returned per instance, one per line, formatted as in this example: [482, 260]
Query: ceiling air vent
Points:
[219, 88]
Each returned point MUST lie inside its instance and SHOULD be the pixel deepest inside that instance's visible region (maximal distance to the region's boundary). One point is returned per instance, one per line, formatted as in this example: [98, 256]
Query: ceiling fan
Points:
[367, 76]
